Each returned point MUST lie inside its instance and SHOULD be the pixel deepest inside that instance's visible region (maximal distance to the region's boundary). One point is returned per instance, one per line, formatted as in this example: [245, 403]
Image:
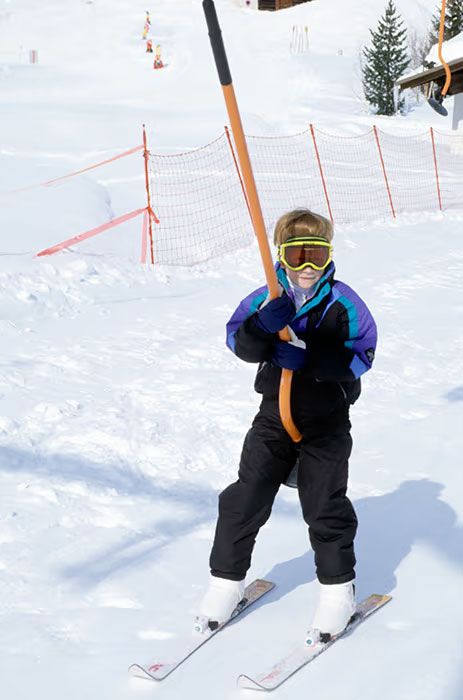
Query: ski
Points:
[158, 669]
[303, 654]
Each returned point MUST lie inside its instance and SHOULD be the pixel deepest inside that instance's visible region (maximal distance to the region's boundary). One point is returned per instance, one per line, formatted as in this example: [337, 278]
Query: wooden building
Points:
[278, 4]
[435, 76]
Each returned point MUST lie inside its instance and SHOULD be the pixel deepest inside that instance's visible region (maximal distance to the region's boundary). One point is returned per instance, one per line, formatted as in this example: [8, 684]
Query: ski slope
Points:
[122, 413]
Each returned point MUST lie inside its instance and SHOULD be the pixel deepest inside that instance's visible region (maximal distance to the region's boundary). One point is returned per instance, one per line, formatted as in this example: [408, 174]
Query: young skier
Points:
[157, 59]
[333, 344]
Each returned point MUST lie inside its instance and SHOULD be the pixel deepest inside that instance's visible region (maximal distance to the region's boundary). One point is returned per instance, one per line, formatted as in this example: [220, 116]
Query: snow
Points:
[122, 413]
[451, 50]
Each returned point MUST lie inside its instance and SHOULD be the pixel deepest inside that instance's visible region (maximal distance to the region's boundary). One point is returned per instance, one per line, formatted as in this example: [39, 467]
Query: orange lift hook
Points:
[438, 95]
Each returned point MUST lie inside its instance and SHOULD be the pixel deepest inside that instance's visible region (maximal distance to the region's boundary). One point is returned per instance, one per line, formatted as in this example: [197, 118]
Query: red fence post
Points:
[322, 175]
[144, 231]
[227, 132]
[147, 183]
[436, 169]
[384, 171]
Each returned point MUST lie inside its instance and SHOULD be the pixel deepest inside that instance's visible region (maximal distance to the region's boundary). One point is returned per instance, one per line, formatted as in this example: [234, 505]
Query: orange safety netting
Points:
[376, 175]
[203, 209]
[449, 150]
[200, 204]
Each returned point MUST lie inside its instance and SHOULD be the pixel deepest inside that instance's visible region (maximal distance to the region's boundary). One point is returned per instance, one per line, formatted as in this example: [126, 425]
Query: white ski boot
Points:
[336, 606]
[220, 600]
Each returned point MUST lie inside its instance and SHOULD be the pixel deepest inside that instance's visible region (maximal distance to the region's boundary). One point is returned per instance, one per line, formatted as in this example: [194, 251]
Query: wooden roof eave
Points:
[429, 75]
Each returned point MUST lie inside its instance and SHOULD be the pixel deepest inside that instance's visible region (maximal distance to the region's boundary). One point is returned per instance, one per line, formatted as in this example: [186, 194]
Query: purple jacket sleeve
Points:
[244, 339]
[354, 330]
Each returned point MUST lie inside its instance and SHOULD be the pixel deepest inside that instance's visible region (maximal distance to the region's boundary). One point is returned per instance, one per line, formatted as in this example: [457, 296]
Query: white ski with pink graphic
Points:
[158, 669]
[302, 654]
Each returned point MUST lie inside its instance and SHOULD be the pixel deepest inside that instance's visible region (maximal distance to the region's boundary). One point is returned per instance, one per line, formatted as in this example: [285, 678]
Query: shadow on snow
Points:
[389, 525]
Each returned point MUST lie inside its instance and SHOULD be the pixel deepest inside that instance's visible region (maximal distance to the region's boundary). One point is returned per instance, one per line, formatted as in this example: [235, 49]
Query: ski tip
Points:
[137, 671]
[155, 672]
[381, 598]
[245, 683]
[263, 584]
[372, 603]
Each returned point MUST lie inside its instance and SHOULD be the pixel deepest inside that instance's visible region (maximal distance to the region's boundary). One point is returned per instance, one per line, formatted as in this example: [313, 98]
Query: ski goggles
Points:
[299, 253]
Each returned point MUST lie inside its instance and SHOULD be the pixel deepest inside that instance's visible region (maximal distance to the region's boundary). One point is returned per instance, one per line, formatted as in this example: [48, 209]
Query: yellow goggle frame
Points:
[309, 241]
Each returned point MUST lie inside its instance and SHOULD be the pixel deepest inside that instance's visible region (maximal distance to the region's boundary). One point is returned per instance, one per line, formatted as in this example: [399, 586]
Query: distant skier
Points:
[334, 341]
[149, 46]
[157, 59]
[146, 30]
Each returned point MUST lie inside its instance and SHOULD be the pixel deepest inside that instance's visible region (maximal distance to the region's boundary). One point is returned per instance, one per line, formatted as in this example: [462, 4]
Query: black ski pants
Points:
[267, 458]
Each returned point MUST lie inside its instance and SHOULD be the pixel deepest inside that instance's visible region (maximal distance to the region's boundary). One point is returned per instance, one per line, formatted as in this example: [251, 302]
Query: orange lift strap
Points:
[448, 73]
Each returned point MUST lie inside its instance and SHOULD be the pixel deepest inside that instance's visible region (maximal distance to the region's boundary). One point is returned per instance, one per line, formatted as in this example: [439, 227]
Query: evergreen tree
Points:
[453, 21]
[385, 61]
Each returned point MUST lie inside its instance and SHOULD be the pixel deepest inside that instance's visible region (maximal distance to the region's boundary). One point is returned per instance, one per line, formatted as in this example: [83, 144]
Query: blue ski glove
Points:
[275, 314]
[289, 355]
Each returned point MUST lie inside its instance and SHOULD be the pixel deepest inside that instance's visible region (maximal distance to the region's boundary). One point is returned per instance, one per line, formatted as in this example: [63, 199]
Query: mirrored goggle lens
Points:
[306, 254]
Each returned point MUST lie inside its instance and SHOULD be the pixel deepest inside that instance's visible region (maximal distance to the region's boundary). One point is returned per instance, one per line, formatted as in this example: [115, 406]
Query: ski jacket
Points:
[340, 335]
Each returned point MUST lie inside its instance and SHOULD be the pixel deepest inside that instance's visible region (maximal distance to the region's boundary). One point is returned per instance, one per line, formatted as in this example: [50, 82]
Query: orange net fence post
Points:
[436, 167]
[322, 174]
[235, 160]
[144, 237]
[383, 168]
[148, 194]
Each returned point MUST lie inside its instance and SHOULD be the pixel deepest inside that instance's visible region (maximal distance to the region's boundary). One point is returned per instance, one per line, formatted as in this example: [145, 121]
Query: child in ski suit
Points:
[338, 337]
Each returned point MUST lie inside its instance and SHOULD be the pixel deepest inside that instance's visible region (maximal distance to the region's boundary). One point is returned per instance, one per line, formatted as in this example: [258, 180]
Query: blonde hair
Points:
[302, 223]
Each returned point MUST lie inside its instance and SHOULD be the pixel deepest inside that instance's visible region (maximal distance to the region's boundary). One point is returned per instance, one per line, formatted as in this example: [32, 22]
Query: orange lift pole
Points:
[223, 70]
